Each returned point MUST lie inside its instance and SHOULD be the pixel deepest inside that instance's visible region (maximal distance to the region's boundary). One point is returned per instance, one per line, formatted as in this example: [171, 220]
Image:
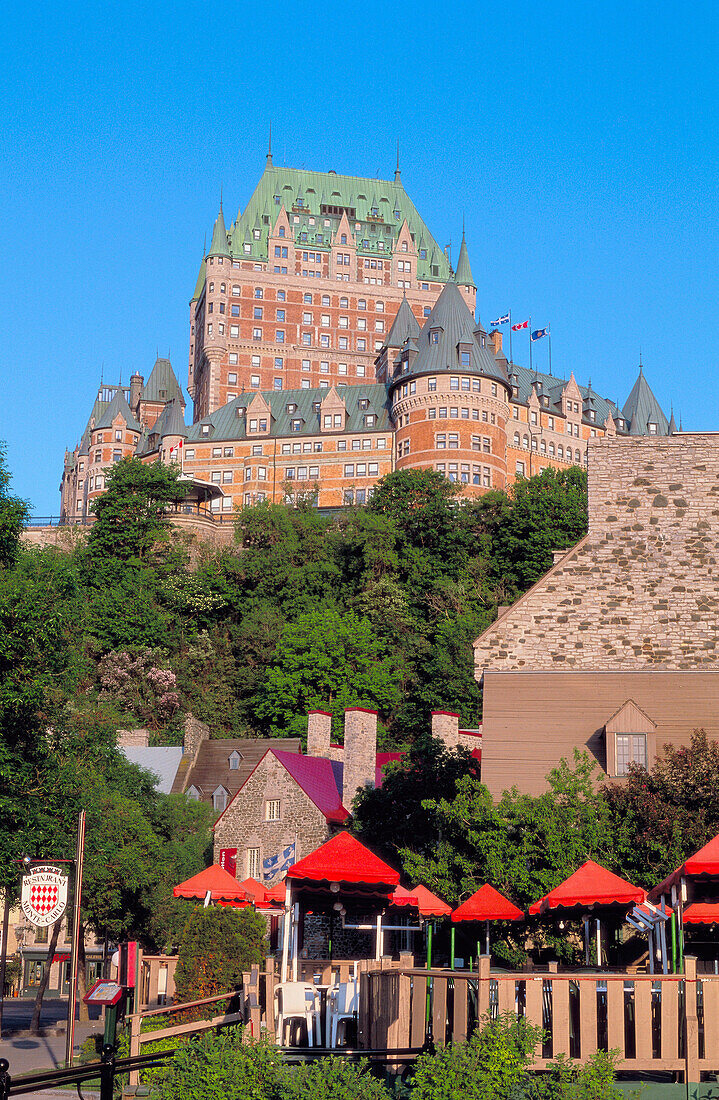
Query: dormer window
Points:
[234, 760]
[434, 336]
[363, 403]
[281, 231]
[219, 799]
[652, 428]
[193, 794]
[291, 408]
[296, 425]
[343, 238]
[205, 429]
[592, 414]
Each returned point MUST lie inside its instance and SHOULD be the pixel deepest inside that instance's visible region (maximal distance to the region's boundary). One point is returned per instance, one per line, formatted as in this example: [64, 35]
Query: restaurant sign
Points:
[44, 895]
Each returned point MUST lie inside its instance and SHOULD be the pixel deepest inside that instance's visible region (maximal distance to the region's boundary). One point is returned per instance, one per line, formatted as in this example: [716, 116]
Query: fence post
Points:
[107, 1072]
[483, 986]
[135, 1026]
[270, 996]
[691, 1051]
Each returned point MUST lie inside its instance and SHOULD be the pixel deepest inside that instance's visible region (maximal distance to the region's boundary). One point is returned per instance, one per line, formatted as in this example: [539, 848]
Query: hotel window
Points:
[235, 291]
[232, 379]
[296, 425]
[361, 344]
[257, 313]
[324, 340]
[217, 451]
[279, 337]
[257, 334]
[441, 441]
[233, 358]
[431, 414]
[324, 367]
[454, 441]
[454, 413]
[434, 337]
[255, 380]
[344, 322]
[494, 389]
[631, 749]
[487, 445]
[442, 412]
[234, 330]
[253, 863]
[349, 470]
[519, 469]
[280, 315]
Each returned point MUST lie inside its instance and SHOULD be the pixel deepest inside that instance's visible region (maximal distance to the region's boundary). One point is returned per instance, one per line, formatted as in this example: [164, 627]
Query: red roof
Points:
[591, 885]
[320, 779]
[487, 904]
[343, 859]
[222, 885]
[702, 912]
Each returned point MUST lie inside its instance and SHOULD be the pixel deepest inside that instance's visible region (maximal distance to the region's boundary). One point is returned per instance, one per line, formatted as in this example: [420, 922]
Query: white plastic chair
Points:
[298, 1001]
[342, 1004]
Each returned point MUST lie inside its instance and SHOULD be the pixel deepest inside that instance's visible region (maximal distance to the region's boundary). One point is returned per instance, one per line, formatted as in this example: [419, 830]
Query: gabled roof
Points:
[162, 385]
[452, 322]
[591, 885]
[225, 424]
[642, 408]
[344, 859]
[162, 761]
[405, 326]
[463, 275]
[212, 765]
[118, 406]
[487, 904]
[320, 779]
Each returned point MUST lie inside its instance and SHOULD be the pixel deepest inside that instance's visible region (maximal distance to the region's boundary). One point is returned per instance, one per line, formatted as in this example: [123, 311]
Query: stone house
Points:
[616, 649]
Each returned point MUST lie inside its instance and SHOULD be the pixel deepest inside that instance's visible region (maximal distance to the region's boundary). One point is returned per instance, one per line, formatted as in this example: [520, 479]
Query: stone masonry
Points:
[360, 755]
[641, 590]
[244, 824]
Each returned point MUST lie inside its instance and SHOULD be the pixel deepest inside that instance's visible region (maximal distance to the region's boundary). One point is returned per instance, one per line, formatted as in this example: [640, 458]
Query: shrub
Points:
[331, 1079]
[491, 1065]
[222, 1067]
[217, 945]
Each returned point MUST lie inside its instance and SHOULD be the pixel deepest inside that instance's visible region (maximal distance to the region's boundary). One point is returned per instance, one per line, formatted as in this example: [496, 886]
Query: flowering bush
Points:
[138, 683]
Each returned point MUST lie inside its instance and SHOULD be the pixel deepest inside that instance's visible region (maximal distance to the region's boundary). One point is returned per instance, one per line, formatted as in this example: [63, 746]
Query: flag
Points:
[522, 324]
[540, 332]
[501, 321]
[288, 858]
[277, 865]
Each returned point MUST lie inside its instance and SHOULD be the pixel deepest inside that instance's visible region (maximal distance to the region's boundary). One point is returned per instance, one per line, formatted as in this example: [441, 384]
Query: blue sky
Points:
[579, 142]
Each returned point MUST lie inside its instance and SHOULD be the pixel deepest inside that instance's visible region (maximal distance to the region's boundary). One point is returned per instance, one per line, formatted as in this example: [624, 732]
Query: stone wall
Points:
[137, 738]
[244, 823]
[360, 752]
[641, 590]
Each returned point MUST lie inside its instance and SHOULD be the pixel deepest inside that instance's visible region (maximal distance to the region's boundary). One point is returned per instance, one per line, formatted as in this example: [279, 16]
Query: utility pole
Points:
[72, 998]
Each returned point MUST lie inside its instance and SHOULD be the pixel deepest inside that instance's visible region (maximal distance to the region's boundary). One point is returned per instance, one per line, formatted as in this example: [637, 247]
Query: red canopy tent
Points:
[693, 889]
[591, 889]
[342, 867]
[702, 912]
[422, 899]
[703, 864]
[485, 904]
[213, 884]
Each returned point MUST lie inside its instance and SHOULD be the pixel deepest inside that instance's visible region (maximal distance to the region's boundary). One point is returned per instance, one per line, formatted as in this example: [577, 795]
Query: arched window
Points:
[516, 439]
[525, 442]
[560, 451]
[551, 449]
[543, 447]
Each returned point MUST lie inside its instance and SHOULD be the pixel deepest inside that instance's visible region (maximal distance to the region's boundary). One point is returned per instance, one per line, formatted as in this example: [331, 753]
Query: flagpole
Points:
[510, 336]
[530, 343]
[549, 334]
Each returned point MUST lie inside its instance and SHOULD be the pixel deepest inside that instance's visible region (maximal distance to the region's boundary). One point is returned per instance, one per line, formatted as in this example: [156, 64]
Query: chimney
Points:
[496, 337]
[319, 729]
[136, 384]
[360, 756]
[445, 727]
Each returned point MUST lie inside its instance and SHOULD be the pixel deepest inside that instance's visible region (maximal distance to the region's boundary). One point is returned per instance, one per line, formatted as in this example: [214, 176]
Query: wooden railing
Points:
[656, 1022]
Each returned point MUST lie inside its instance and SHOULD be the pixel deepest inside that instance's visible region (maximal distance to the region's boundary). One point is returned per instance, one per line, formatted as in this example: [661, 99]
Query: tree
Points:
[131, 515]
[660, 817]
[327, 659]
[13, 516]
[532, 519]
[217, 945]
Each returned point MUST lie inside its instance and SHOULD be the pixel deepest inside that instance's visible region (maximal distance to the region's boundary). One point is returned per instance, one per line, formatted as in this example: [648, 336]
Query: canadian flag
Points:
[522, 324]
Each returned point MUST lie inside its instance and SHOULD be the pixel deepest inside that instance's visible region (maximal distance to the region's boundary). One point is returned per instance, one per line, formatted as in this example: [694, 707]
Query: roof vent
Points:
[331, 172]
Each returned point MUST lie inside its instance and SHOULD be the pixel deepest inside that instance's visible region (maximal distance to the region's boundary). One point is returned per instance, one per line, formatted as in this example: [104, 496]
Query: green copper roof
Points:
[225, 423]
[302, 193]
[171, 420]
[404, 326]
[642, 409]
[162, 385]
[118, 405]
[463, 276]
[449, 332]
[200, 281]
[219, 246]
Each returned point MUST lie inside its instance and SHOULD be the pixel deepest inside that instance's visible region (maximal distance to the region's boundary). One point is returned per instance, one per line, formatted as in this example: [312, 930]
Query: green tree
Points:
[491, 1065]
[13, 516]
[532, 519]
[327, 659]
[131, 516]
[217, 945]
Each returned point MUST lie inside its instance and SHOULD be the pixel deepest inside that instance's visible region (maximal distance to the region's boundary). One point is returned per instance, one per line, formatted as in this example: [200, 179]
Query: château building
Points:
[331, 342]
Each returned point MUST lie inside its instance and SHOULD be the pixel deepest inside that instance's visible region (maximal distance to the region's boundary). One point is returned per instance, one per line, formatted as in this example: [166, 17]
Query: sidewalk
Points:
[29, 1053]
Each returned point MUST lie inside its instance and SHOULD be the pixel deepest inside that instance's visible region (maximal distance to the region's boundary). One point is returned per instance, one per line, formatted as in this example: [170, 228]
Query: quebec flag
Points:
[279, 864]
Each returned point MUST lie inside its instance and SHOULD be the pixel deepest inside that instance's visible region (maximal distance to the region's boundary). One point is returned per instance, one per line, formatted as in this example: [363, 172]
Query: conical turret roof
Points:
[672, 424]
[642, 408]
[449, 332]
[464, 271]
[162, 385]
[218, 247]
[405, 325]
[171, 420]
[118, 405]
[200, 281]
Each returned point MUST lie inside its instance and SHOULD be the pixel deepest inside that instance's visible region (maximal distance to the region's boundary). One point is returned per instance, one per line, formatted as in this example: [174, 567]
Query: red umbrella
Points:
[344, 860]
[485, 904]
[215, 881]
[589, 887]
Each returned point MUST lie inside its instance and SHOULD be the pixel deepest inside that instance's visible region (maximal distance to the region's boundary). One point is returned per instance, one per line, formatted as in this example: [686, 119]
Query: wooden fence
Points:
[667, 1023]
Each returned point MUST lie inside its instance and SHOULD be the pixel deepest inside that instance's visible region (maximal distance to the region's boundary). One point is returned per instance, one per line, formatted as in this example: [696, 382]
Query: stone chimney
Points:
[194, 733]
[360, 755]
[319, 729]
[136, 384]
[137, 738]
[495, 337]
[445, 727]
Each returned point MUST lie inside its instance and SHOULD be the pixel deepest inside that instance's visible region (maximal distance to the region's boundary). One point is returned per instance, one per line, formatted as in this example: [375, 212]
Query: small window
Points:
[253, 863]
[272, 809]
[631, 749]
[219, 799]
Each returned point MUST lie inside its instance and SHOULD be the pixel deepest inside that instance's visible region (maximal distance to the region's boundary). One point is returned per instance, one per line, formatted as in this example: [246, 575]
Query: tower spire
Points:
[397, 173]
[269, 149]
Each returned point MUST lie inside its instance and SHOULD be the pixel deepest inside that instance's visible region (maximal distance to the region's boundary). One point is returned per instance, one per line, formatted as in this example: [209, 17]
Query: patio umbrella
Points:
[342, 867]
[213, 884]
[590, 889]
[693, 878]
[485, 904]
